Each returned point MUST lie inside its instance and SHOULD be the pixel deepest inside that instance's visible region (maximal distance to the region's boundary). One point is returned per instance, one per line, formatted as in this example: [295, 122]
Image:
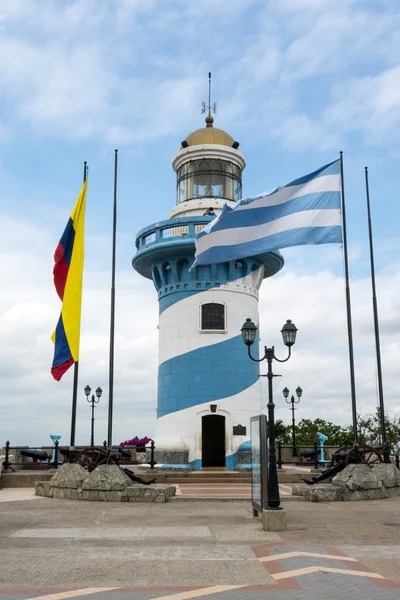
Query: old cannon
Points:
[92, 457]
[345, 456]
[311, 453]
[36, 455]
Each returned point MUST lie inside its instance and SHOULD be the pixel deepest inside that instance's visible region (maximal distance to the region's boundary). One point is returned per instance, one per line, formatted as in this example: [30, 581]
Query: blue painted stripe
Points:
[207, 374]
[172, 298]
[267, 214]
[293, 237]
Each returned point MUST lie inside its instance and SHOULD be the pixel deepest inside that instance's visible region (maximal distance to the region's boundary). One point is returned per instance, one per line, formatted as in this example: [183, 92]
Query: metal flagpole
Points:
[76, 367]
[376, 326]
[348, 306]
[112, 322]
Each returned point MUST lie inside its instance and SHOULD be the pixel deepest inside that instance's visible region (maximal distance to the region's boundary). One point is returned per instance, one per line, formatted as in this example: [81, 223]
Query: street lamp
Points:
[289, 331]
[93, 400]
[293, 401]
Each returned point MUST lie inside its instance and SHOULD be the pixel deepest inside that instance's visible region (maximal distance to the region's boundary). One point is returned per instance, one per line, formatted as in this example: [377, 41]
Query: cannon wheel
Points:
[333, 462]
[92, 457]
[368, 456]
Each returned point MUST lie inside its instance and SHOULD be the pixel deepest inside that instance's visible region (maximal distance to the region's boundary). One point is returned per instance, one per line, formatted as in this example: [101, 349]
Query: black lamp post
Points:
[289, 331]
[93, 400]
[293, 401]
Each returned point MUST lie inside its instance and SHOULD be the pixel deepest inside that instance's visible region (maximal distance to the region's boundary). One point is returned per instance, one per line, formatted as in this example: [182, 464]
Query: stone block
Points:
[274, 520]
[113, 496]
[371, 494]
[69, 476]
[169, 457]
[357, 477]
[42, 488]
[301, 490]
[388, 474]
[145, 493]
[64, 493]
[393, 492]
[106, 478]
[328, 493]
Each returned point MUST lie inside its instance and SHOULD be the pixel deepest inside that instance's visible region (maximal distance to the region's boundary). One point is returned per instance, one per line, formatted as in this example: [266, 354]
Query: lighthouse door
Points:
[213, 441]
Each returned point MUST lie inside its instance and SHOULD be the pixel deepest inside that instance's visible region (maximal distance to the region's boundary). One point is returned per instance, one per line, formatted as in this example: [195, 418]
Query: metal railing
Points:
[41, 459]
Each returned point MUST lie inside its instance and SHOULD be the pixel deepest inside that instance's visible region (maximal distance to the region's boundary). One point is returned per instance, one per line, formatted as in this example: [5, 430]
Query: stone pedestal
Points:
[66, 482]
[107, 483]
[274, 520]
[355, 482]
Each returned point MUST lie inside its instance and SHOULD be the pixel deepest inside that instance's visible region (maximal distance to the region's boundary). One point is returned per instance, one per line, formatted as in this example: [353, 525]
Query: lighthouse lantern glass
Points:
[209, 178]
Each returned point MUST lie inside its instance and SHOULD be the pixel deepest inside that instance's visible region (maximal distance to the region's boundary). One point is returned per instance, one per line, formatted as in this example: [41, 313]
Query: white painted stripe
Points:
[314, 569]
[179, 324]
[275, 557]
[241, 235]
[73, 593]
[325, 183]
[215, 589]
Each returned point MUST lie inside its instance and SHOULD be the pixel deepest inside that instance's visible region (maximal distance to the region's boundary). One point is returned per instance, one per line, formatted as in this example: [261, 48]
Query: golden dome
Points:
[209, 135]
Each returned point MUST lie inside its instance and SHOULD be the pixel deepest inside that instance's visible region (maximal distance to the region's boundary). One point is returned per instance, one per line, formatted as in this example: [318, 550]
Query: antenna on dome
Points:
[210, 107]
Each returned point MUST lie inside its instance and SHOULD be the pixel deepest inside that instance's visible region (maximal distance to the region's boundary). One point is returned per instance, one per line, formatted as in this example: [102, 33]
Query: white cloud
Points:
[131, 71]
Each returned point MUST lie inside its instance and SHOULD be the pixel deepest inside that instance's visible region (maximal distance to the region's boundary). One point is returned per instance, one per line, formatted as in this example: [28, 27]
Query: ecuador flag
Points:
[68, 272]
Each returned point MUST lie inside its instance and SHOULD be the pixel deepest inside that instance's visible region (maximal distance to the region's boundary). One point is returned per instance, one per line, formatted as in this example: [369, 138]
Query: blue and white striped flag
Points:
[305, 211]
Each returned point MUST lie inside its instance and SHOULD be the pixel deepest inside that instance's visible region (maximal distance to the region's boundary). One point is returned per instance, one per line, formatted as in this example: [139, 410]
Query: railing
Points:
[317, 451]
[41, 459]
[185, 227]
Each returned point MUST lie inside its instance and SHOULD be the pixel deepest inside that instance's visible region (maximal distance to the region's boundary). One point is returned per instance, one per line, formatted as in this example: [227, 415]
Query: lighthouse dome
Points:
[209, 135]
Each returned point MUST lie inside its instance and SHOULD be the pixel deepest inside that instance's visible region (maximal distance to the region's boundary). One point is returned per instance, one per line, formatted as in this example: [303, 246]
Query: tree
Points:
[306, 433]
[282, 432]
[368, 428]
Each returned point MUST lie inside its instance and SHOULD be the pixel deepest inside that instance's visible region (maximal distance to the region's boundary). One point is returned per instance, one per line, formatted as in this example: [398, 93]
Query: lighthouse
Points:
[208, 388]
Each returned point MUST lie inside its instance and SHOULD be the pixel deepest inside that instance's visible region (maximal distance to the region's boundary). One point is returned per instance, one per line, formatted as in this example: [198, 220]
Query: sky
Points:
[296, 82]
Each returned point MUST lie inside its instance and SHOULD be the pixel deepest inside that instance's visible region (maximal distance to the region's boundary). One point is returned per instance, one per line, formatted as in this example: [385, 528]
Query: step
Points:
[183, 498]
[209, 474]
[213, 481]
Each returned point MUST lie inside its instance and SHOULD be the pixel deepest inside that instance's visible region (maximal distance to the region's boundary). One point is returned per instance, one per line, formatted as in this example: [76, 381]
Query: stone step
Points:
[213, 480]
[209, 475]
[188, 498]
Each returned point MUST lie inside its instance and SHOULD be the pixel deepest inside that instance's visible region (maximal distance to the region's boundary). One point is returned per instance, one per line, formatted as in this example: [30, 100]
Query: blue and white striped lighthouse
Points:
[208, 388]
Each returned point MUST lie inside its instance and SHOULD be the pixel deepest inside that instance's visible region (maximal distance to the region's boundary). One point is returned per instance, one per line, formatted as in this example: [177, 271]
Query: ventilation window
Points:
[213, 316]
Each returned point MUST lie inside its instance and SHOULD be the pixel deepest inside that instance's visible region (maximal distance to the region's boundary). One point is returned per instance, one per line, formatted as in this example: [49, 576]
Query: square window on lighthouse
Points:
[213, 317]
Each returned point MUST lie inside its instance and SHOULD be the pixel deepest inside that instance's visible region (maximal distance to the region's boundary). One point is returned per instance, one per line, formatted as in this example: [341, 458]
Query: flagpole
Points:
[376, 327]
[348, 307]
[112, 321]
[76, 367]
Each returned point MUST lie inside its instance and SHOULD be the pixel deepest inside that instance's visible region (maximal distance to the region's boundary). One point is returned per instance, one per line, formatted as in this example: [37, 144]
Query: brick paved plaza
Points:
[186, 549]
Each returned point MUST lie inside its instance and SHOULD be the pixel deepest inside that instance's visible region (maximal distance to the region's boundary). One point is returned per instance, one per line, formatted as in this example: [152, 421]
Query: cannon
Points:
[35, 455]
[92, 457]
[68, 454]
[345, 456]
[311, 453]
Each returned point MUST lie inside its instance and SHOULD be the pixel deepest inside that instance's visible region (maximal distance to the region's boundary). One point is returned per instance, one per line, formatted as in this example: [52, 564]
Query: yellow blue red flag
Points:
[68, 274]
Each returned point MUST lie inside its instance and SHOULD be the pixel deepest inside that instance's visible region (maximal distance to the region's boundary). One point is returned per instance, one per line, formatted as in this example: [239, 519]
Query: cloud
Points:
[131, 71]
